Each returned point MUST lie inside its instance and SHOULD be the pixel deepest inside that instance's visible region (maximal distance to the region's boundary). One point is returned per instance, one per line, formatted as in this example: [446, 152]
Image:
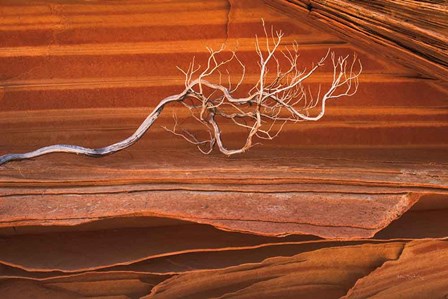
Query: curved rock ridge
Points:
[307, 194]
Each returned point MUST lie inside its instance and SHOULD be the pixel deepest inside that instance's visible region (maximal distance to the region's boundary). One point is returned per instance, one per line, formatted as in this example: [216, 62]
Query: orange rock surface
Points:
[353, 206]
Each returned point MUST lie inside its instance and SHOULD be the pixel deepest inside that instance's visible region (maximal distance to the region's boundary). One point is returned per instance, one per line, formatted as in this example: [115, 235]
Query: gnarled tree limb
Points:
[275, 99]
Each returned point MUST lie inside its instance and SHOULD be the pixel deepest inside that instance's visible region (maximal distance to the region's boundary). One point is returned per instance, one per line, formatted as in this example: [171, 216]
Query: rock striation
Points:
[352, 206]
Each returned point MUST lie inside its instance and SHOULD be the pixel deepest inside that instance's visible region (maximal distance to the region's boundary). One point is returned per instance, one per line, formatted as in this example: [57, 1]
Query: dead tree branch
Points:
[278, 96]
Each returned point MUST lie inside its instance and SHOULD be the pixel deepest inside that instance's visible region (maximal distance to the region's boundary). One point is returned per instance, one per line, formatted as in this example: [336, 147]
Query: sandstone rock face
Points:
[412, 32]
[353, 206]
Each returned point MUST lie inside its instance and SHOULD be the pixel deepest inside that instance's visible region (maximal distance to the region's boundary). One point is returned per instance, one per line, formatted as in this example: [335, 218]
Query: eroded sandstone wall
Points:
[354, 205]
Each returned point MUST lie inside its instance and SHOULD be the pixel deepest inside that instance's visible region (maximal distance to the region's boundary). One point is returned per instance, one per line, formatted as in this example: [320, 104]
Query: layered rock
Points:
[354, 205]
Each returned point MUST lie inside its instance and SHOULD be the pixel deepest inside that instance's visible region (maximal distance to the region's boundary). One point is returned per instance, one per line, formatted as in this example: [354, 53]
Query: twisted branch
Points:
[275, 99]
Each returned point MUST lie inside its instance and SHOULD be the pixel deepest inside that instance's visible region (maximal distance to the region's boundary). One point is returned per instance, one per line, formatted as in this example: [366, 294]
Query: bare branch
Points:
[279, 96]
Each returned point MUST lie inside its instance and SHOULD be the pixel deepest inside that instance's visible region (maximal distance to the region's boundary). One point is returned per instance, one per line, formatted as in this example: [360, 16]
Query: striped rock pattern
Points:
[352, 206]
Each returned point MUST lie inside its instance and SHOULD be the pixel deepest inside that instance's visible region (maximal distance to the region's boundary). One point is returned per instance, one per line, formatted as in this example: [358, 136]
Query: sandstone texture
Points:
[352, 206]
